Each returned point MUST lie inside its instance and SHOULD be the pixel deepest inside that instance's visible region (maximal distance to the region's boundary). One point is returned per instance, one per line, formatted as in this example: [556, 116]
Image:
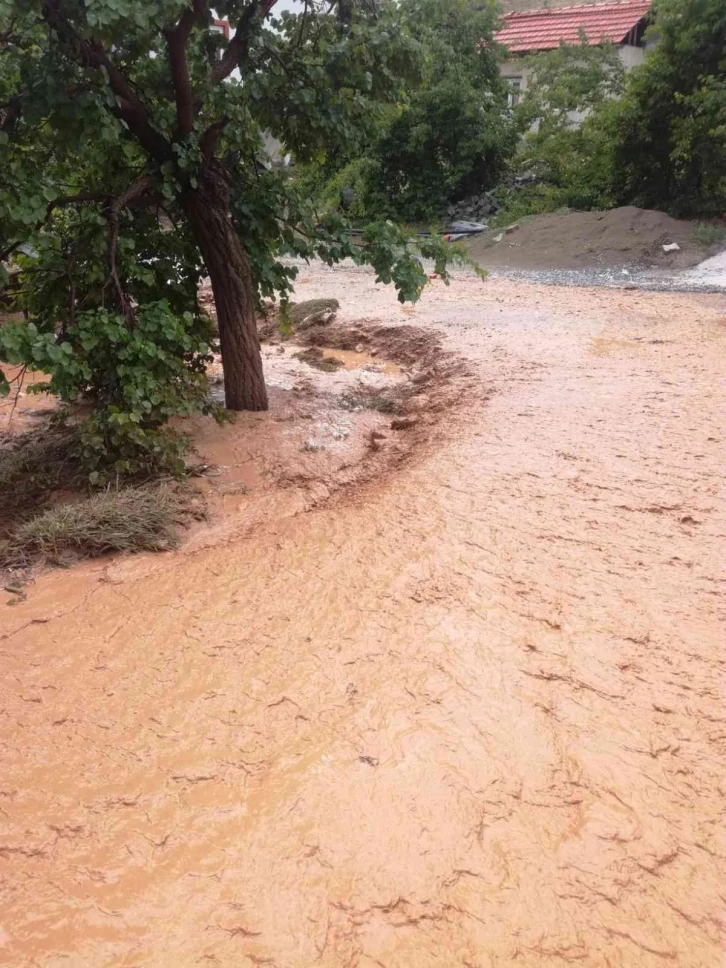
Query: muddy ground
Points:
[465, 712]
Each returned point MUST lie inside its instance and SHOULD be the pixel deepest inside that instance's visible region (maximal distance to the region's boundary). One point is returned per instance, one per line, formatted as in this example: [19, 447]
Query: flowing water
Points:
[467, 716]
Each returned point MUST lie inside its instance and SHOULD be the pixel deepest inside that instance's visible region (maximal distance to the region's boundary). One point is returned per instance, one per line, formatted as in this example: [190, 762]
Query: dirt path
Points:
[470, 717]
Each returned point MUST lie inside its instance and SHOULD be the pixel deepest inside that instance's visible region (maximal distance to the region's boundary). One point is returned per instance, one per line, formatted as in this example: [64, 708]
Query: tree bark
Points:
[229, 270]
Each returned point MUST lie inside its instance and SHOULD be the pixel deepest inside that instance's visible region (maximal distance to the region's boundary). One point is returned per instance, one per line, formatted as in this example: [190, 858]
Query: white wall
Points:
[630, 57]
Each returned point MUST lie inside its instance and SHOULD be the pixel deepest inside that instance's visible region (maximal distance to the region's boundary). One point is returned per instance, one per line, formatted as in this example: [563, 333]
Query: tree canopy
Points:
[449, 135]
[132, 164]
[668, 132]
[655, 137]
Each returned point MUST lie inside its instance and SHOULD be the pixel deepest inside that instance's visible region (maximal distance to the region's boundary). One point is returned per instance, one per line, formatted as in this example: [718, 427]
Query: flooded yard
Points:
[466, 712]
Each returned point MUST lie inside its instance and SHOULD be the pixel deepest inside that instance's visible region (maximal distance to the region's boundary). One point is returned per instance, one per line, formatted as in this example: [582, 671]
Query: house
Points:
[528, 31]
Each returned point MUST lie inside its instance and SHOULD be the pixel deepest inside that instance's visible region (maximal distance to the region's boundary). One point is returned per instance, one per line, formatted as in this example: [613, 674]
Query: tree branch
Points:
[238, 49]
[122, 201]
[131, 108]
[77, 200]
[209, 140]
[7, 35]
[10, 113]
[176, 39]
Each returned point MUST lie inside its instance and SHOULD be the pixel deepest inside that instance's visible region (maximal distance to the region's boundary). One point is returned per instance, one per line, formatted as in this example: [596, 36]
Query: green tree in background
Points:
[456, 135]
[668, 132]
[566, 87]
[132, 163]
[452, 133]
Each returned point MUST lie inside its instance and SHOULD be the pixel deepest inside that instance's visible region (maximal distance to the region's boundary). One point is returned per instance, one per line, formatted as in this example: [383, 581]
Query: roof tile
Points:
[545, 29]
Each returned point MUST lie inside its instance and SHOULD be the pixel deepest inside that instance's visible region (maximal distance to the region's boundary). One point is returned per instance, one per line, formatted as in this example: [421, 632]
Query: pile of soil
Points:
[629, 237]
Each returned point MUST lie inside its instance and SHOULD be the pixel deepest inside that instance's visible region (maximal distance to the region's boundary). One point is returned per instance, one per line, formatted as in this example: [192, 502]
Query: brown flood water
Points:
[469, 716]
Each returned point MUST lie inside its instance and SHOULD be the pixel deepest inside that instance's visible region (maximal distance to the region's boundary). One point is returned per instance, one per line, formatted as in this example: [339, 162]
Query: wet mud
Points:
[466, 714]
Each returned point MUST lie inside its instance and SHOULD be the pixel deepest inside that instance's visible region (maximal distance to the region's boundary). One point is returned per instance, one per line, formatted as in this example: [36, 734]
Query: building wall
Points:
[515, 70]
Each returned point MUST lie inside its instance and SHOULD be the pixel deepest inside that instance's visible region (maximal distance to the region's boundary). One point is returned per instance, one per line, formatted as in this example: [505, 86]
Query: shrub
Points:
[138, 376]
[708, 234]
[668, 132]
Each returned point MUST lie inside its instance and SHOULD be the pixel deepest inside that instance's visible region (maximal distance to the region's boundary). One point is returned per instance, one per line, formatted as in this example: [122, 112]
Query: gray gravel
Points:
[623, 278]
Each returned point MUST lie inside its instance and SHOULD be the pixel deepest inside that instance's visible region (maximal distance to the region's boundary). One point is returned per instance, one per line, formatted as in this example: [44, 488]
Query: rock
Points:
[420, 402]
[511, 228]
[498, 238]
[313, 312]
[404, 423]
[671, 247]
[360, 348]
[526, 178]
[311, 446]
[376, 440]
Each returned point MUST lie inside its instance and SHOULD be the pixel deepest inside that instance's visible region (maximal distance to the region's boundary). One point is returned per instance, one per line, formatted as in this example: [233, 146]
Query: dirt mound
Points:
[628, 237]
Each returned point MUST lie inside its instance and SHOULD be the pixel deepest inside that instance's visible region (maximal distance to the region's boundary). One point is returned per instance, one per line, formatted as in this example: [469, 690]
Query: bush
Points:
[137, 375]
[707, 234]
[567, 90]
[655, 137]
[449, 135]
[668, 132]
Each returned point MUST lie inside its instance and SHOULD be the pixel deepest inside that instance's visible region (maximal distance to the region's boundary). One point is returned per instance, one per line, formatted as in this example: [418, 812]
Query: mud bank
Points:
[468, 714]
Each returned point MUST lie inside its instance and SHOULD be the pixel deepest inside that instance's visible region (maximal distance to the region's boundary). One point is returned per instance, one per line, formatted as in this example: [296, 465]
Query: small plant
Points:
[362, 401]
[708, 234]
[139, 376]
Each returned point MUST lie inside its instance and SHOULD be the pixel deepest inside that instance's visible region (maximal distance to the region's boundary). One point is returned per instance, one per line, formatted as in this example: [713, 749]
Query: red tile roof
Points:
[530, 30]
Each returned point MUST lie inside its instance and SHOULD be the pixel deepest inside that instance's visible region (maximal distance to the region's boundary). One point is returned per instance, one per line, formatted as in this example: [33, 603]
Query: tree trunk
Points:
[229, 271]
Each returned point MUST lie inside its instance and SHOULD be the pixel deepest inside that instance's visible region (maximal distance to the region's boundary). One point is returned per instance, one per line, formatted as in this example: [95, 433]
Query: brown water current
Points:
[468, 715]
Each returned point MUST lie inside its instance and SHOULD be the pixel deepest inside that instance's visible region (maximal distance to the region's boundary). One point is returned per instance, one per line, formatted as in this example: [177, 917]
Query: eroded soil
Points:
[466, 714]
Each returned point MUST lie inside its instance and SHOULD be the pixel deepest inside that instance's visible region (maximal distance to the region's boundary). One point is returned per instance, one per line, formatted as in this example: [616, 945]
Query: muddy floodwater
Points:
[468, 714]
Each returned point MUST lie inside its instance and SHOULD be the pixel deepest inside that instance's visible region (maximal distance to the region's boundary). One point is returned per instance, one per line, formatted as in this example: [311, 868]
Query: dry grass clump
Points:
[133, 519]
[34, 464]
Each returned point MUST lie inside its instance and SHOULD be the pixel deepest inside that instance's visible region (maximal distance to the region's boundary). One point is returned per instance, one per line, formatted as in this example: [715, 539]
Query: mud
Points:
[467, 714]
[621, 237]
[22, 411]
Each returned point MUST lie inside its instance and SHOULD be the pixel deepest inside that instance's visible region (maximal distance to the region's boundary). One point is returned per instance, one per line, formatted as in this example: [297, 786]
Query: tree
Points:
[451, 135]
[566, 90]
[668, 132]
[131, 161]
[455, 135]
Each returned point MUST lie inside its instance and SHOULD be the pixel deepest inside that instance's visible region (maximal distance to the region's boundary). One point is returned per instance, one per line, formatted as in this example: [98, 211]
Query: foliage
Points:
[708, 234]
[655, 138]
[139, 376]
[122, 124]
[521, 203]
[668, 132]
[450, 135]
[565, 87]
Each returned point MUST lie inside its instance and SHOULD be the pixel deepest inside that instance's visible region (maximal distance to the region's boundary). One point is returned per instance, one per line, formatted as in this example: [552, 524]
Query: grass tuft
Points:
[708, 234]
[34, 464]
[135, 519]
